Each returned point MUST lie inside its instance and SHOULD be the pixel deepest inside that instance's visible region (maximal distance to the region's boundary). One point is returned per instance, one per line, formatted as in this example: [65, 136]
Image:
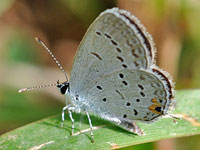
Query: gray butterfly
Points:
[114, 74]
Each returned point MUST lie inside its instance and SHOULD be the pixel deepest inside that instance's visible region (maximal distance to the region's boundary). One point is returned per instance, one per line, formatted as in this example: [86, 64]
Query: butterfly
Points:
[114, 74]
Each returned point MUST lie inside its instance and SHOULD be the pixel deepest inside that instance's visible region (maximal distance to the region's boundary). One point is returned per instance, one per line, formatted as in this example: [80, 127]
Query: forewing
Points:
[116, 40]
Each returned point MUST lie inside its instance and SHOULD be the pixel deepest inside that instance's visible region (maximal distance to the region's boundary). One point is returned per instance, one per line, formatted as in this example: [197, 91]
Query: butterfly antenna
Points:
[37, 87]
[51, 54]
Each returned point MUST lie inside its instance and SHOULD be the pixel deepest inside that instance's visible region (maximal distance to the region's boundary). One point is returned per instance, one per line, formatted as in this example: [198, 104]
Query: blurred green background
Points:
[174, 25]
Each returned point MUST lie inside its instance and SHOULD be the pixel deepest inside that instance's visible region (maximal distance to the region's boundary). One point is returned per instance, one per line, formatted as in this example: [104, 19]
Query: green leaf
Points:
[19, 109]
[47, 133]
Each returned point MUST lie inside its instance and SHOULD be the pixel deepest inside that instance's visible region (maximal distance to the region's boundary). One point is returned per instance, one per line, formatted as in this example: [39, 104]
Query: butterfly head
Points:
[63, 87]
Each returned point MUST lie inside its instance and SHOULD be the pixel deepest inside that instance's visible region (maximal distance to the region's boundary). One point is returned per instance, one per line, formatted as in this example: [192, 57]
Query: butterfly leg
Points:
[91, 128]
[72, 119]
[131, 127]
[63, 114]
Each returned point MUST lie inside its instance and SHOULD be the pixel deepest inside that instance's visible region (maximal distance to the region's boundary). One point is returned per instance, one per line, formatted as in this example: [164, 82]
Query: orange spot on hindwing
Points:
[156, 107]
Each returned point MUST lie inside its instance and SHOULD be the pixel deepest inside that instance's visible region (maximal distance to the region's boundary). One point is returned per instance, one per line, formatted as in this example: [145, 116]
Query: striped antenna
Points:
[52, 56]
[38, 87]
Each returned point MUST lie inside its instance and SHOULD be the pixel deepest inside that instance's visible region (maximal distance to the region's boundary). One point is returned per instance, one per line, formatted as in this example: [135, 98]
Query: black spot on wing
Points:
[96, 55]
[146, 41]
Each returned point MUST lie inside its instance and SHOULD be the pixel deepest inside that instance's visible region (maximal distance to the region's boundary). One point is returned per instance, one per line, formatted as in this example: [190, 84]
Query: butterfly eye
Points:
[63, 87]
